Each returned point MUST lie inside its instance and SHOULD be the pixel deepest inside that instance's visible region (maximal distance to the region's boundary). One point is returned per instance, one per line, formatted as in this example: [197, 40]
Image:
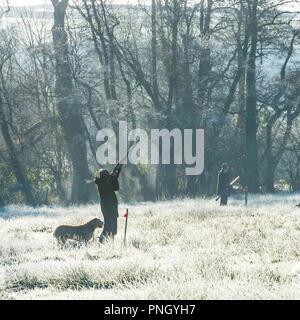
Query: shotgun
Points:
[118, 166]
[230, 184]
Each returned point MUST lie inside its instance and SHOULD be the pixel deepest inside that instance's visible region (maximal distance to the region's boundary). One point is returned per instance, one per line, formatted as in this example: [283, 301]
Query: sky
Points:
[3, 3]
[41, 2]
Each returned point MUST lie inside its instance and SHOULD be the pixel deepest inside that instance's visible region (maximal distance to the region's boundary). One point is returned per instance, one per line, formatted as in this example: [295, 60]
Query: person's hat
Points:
[225, 165]
[104, 173]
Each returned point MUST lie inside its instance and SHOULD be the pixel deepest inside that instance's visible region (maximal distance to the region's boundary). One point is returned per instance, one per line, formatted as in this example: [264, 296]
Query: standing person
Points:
[1, 204]
[107, 185]
[223, 187]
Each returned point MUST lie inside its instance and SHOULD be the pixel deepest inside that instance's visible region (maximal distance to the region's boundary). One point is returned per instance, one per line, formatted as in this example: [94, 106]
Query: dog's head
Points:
[97, 223]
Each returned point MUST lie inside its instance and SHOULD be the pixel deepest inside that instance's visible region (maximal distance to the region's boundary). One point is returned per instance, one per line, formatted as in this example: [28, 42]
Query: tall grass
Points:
[181, 249]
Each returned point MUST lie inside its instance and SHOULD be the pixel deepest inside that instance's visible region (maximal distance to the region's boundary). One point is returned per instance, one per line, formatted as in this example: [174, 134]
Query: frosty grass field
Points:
[182, 249]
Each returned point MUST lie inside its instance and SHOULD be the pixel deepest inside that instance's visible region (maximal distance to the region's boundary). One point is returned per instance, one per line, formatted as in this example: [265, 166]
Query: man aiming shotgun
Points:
[107, 185]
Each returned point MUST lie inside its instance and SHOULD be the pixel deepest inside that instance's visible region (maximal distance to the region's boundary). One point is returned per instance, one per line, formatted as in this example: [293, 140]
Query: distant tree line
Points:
[229, 67]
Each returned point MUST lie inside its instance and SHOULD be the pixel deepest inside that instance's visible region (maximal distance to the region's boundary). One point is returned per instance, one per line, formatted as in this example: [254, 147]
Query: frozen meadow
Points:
[181, 249]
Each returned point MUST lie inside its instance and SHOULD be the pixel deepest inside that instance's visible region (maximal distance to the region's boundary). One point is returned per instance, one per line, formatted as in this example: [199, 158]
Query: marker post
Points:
[126, 216]
[245, 190]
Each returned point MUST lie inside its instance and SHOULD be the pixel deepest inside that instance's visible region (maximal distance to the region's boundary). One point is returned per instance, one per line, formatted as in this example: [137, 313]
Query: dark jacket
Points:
[108, 199]
[223, 187]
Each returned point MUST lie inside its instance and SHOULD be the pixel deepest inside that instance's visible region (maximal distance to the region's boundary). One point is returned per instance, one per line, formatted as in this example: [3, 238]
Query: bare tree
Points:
[68, 107]
[6, 53]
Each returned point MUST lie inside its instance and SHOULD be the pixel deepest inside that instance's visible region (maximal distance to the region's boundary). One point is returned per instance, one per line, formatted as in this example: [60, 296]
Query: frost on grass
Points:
[181, 249]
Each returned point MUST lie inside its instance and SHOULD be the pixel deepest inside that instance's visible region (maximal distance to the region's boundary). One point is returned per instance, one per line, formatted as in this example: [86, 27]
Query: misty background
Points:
[68, 70]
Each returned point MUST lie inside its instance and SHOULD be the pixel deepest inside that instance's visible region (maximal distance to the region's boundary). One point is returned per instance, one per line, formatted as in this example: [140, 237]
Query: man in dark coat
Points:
[107, 185]
[223, 187]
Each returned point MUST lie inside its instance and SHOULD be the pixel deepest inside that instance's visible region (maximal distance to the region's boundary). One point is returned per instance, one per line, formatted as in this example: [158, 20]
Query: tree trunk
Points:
[166, 183]
[251, 109]
[270, 167]
[15, 163]
[205, 55]
[154, 57]
[270, 177]
[68, 108]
